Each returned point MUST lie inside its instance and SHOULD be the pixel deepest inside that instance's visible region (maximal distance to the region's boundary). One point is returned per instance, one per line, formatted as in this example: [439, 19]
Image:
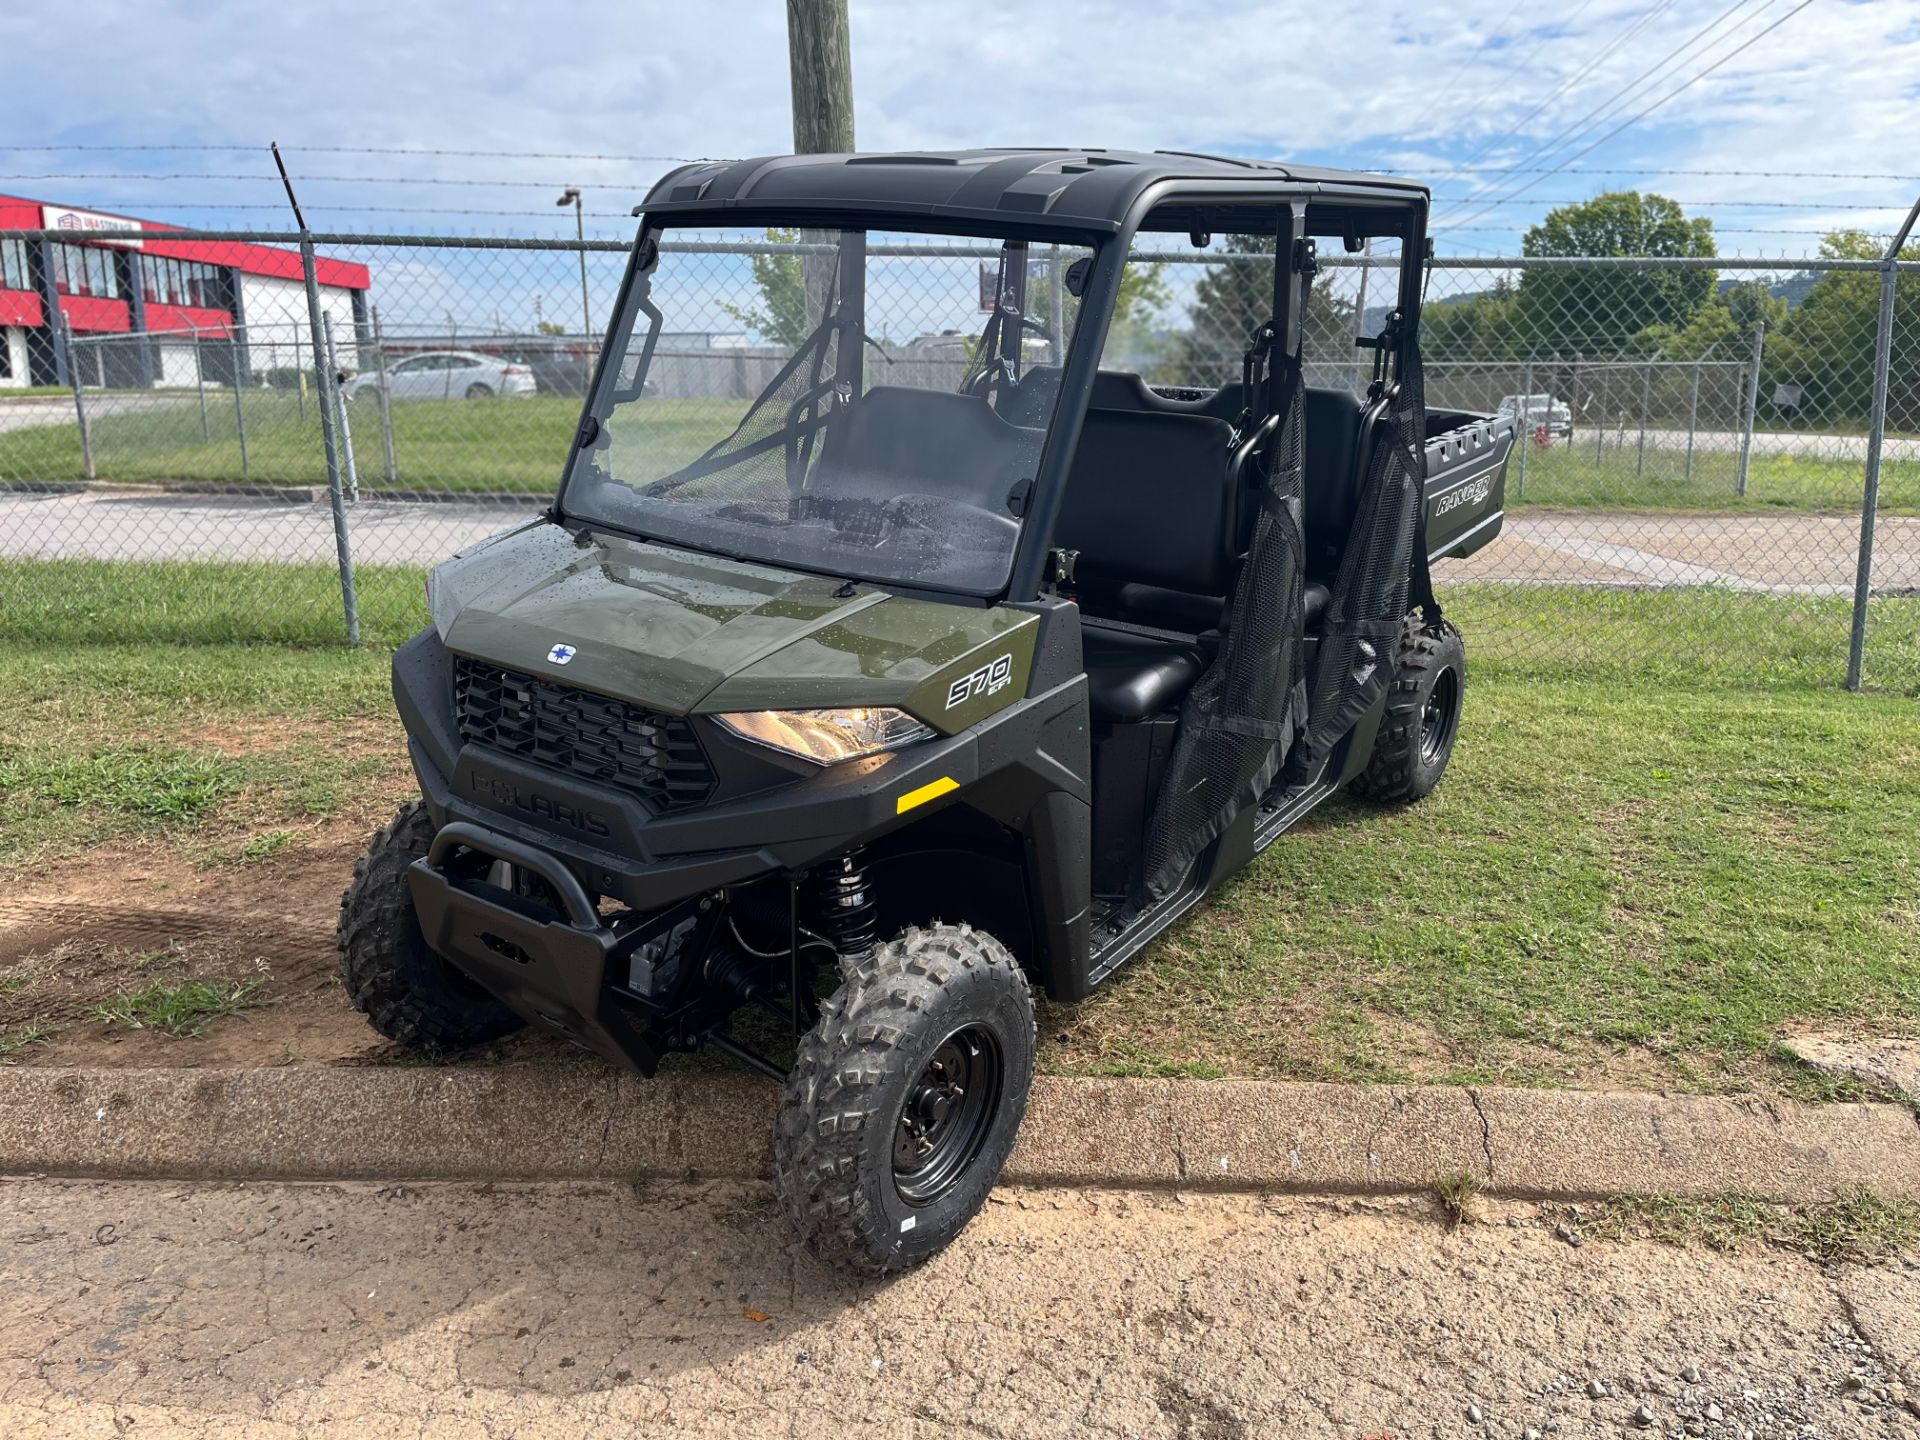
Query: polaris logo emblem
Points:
[561, 654]
[994, 675]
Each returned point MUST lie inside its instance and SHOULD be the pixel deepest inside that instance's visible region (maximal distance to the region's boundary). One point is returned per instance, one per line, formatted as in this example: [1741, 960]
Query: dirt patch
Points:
[127, 916]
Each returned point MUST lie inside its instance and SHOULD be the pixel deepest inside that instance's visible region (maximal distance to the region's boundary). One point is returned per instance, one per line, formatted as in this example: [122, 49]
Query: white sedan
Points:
[446, 375]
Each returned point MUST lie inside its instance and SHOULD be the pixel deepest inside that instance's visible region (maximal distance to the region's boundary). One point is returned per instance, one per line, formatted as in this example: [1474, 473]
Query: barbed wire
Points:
[359, 150]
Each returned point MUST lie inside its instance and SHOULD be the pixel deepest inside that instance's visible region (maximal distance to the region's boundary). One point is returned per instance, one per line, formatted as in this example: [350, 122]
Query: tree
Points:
[1144, 293]
[1603, 310]
[1475, 328]
[782, 314]
[1826, 345]
[1230, 299]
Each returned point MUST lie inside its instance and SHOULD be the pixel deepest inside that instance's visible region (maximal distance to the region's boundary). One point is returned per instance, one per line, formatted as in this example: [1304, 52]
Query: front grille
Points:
[587, 736]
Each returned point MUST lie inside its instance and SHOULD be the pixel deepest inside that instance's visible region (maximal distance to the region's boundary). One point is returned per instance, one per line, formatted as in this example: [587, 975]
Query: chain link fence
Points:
[1691, 498]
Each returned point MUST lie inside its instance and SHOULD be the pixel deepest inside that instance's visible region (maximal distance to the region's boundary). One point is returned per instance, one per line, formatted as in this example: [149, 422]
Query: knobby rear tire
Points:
[1403, 768]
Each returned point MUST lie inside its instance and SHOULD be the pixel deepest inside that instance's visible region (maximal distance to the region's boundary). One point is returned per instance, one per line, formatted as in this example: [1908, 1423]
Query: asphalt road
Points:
[1754, 551]
[1765, 442]
[265, 1311]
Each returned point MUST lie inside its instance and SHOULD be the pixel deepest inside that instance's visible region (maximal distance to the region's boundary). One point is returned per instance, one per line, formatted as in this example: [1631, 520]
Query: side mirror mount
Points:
[1077, 275]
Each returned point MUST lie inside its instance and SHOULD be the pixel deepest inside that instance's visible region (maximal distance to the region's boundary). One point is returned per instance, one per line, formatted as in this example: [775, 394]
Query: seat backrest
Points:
[1124, 390]
[1148, 501]
[1330, 479]
[896, 440]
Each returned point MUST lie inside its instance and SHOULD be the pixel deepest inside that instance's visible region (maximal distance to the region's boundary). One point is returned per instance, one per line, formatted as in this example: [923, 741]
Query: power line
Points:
[1651, 170]
[1652, 13]
[1455, 72]
[355, 150]
[1582, 125]
[198, 175]
[1673, 56]
[1687, 84]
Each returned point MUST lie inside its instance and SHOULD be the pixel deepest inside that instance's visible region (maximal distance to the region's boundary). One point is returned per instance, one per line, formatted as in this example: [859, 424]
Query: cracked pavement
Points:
[267, 1310]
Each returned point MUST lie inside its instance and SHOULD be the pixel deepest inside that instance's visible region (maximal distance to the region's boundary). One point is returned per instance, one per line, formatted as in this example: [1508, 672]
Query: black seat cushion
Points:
[1313, 603]
[1130, 677]
[1148, 502]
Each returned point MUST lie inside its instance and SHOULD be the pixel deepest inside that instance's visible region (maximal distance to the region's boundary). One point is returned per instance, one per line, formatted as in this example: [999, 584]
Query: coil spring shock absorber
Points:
[844, 903]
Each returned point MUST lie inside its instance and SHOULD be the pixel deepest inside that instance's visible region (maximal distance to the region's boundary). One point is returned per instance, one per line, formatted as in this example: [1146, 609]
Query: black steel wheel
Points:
[947, 1116]
[1440, 718]
[1422, 720]
[904, 1099]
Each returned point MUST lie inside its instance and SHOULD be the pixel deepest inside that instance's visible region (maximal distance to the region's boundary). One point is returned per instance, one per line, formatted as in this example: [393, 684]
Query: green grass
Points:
[140, 780]
[100, 602]
[518, 446]
[1636, 873]
[1855, 1225]
[13, 1042]
[458, 446]
[259, 738]
[184, 1009]
[1642, 637]
[1615, 476]
[1641, 885]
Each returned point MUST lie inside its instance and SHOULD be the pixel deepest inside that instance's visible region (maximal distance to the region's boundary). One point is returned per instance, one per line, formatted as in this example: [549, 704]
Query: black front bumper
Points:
[558, 971]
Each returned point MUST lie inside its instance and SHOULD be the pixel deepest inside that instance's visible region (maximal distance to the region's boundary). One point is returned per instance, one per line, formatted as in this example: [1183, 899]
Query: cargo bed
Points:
[1466, 488]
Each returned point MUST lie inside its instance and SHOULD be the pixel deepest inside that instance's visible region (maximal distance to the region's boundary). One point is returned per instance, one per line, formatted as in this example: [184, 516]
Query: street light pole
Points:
[572, 197]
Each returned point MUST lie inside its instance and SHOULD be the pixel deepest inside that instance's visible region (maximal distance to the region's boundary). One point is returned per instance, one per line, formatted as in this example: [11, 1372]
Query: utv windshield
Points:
[851, 403]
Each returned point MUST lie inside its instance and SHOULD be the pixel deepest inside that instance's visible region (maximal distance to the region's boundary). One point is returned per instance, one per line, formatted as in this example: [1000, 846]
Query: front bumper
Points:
[557, 971]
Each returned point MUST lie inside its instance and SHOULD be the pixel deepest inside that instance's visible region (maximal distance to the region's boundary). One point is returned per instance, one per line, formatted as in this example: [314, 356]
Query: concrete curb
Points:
[586, 1123]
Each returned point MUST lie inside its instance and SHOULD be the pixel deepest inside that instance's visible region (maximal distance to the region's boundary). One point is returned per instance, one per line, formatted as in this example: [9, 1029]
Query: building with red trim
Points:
[186, 308]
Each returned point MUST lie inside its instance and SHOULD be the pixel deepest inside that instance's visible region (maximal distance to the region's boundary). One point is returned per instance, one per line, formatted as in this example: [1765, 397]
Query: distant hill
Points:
[1793, 289]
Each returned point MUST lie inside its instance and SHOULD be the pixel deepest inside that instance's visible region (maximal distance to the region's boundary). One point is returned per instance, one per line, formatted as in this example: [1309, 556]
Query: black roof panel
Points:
[1083, 189]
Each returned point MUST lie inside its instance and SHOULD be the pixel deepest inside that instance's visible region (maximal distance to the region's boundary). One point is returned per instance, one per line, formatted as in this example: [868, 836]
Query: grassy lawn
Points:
[457, 446]
[1691, 637]
[100, 744]
[518, 445]
[1614, 476]
[1638, 885]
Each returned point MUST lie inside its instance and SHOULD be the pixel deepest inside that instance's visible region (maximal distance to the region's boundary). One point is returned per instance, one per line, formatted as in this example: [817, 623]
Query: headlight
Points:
[828, 736]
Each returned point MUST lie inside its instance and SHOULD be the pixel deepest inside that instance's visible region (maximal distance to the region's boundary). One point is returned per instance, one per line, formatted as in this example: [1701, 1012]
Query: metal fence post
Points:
[79, 397]
[340, 409]
[239, 405]
[1646, 402]
[1693, 420]
[1524, 439]
[200, 383]
[1752, 406]
[1876, 438]
[386, 400]
[343, 548]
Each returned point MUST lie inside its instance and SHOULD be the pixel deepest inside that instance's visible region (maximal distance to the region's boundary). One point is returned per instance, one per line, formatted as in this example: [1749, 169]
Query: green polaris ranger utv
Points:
[859, 683]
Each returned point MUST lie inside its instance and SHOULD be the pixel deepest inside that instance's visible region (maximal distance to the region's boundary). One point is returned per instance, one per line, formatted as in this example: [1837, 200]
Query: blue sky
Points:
[1422, 88]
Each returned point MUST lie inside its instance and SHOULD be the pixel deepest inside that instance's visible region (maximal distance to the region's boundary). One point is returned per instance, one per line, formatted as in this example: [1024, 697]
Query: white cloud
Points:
[1832, 90]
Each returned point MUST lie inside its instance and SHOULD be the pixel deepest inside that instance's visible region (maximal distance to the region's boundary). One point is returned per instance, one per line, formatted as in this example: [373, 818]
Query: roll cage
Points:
[1300, 207]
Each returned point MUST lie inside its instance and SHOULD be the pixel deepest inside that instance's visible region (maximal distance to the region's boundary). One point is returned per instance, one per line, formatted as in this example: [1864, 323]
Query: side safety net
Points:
[1241, 716]
[1379, 571]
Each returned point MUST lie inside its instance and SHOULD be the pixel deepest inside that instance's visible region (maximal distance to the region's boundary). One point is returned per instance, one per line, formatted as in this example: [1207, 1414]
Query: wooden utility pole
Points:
[820, 54]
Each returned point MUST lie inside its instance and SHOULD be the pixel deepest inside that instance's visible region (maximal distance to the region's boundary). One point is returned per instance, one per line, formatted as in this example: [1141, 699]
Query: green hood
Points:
[680, 631]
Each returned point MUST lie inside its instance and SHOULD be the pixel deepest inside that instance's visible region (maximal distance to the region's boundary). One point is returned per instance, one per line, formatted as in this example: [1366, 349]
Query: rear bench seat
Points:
[1159, 531]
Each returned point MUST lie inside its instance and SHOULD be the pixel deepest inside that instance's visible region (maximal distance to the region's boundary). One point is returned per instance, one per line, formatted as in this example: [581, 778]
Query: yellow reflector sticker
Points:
[925, 793]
